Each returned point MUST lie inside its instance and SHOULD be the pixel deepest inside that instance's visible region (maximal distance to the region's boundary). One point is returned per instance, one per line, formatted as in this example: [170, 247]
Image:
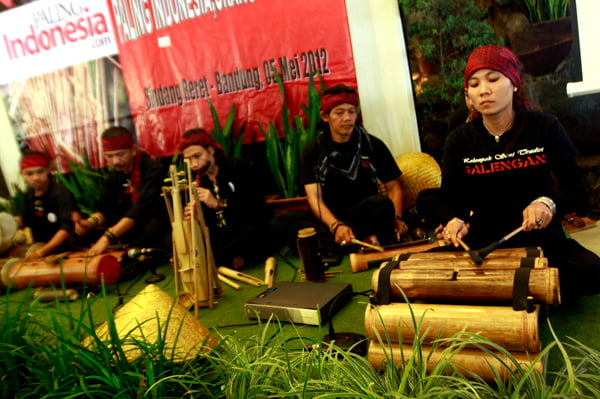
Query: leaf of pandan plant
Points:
[218, 133]
[237, 148]
[271, 143]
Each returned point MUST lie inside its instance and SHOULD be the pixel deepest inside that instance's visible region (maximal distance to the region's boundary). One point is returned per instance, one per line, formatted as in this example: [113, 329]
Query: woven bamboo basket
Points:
[420, 171]
[151, 312]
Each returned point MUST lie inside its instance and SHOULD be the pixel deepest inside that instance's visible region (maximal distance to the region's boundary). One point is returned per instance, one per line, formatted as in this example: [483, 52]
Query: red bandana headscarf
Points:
[330, 101]
[197, 137]
[35, 159]
[494, 57]
[121, 142]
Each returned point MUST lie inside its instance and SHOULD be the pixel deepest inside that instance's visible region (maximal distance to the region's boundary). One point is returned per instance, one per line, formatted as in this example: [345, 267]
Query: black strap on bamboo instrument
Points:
[384, 286]
[520, 299]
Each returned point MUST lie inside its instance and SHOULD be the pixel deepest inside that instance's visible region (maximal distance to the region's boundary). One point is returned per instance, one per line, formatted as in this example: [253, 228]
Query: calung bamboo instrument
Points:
[193, 260]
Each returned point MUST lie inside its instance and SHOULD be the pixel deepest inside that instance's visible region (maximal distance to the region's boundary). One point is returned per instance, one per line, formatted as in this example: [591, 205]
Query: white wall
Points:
[588, 17]
[383, 73]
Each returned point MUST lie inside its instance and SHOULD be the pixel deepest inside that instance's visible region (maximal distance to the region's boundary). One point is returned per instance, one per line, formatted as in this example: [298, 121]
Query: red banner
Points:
[175, 59]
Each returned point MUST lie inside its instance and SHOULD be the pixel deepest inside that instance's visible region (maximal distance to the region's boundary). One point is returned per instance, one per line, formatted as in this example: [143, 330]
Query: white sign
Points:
[47, 35]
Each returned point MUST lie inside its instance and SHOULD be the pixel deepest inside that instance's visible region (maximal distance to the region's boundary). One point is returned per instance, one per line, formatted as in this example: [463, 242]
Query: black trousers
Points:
[372, 216]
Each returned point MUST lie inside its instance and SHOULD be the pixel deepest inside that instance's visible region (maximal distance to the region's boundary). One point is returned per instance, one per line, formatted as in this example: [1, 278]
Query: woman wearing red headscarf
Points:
[500, 171]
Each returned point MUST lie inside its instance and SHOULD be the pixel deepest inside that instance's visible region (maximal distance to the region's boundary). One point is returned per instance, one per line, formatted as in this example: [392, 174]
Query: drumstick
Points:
[367, 245]
[270, 271]
[474, 256]
[485, 251]
[244, 278]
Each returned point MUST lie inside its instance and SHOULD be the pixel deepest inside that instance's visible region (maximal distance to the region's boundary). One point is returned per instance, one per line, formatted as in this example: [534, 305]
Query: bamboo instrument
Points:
[514, 330]
[465, 263]
[227, 281]
[361, 262]
[470, 285]
[195, 270]
[270, 264]
[467, 361]
[72, 271]
[237, 275]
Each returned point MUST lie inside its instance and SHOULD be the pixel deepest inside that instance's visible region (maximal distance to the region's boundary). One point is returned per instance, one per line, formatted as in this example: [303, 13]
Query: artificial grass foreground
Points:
[42, 355]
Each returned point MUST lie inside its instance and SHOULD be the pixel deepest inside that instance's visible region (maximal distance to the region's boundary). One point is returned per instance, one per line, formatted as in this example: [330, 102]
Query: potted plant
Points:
[284, 149]
[546, 41]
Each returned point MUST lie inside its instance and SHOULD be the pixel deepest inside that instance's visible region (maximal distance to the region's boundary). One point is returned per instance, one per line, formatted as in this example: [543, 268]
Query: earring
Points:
[515, 89]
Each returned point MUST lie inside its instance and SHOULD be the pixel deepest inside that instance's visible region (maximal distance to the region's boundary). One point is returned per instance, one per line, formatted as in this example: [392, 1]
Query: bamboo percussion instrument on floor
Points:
[513, 330]
[469, 362]
[364, 261]
[470, 285]
[72, 269]
[360, 261]
[465, 263]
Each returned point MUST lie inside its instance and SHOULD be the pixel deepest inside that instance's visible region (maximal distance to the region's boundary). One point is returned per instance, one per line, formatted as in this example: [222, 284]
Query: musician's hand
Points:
[344, 235]
[206, 196]
[401, 228]
[83, 226]
[453, 229]
[536, 216]
[189, 210]
[99, 247]
[34, 255]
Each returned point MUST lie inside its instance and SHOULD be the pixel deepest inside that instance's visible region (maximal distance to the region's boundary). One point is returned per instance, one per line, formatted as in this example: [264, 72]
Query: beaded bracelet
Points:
[548, 202]
[110, 235]
[335, 225]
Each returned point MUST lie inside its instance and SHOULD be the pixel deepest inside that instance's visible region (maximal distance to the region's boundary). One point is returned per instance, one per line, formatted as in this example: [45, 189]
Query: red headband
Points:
[35, 159]
[197, 137]
[121, 142]
[494, 57]
[330, 101]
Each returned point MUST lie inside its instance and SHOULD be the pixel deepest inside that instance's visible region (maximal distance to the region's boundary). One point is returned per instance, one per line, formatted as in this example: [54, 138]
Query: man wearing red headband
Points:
[511, 167]
[131, 207]
[233, 201]
[49, 207]
[340, 171]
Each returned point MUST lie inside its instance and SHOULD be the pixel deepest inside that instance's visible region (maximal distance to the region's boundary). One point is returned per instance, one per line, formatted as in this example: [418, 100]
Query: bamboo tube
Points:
[467, 361]
[360, 262]
[470, 285]
[72, 271]
[227, 281]
[270, 264]
[465, 263]
[511, 329]
[236, 275]
[522, 252]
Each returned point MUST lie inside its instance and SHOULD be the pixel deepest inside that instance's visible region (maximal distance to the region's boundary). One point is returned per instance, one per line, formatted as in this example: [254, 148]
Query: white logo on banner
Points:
[47, 35]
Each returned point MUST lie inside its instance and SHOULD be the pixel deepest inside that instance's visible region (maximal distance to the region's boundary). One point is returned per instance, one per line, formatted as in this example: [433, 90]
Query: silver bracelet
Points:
[548, 202]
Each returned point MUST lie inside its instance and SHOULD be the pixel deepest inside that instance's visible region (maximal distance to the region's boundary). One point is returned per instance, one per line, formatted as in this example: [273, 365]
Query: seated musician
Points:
[49, 207]
[131, 207]
[340, 171]
[232, 199]
[510, 166]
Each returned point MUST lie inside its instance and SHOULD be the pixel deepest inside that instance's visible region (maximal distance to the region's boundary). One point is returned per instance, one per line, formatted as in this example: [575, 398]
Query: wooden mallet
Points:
[483, 252]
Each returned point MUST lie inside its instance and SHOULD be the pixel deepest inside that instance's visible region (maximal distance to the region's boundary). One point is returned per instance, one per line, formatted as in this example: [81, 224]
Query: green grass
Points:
[42, 356]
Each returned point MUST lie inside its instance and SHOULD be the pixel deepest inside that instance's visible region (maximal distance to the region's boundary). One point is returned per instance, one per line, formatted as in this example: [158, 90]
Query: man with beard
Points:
[232, 198]
[340, 171]
[49, 207]
[131, 206]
